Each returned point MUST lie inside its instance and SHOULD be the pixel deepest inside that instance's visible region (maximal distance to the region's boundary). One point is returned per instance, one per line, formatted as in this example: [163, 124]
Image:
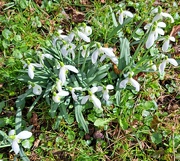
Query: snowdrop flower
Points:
[74, 96]
[153, 35]
[162, 66]
[161, 14]
[131, 81]
[91, 97]
[57, 96]
[108, 52]
[84, 52]
[121, 14]
[16, 139]
[58, 85]
[63, 71]
[43, 56]
[31, 68]
[37, 90]
[165, 45]
[68, 48]
[105, 90]
[154, 67]
[84, 32]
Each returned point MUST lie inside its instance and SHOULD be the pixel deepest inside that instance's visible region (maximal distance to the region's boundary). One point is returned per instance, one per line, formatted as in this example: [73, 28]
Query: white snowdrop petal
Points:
[78, 88]
[172, 38]
[84, 100]
[12, 132]
[157, 17]
[48, 56]
[127, 13]
[120, 19]
[135, 84]
[154, 67]
[62, 74]
[95, 56]
[172, 61]
[37, 90]
[63, 93]
[37, 65]
[161, 24]
[165, 45]
[99, 88]
[109, 86]
[94, 89]
[83, 36]
[147, 26]
[160, 31]
[102, 57]
[108, 51]
[88, 30]
[71, 68]
[96, 101]
[31, 71]
[162, 67]
[56, 98]
[74, 96]
[150, 40]
[123, 83]
[106, 95]
[15, 146]
[155, 10]
[168, 15]
[24, 135]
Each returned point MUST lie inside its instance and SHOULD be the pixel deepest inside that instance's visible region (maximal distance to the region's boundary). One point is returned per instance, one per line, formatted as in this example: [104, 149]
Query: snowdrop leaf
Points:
[80, 118]
[125, 54]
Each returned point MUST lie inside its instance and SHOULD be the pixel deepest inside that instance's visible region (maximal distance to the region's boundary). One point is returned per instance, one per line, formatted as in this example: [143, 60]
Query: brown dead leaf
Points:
[76, 16]
[36, 144]
[34, 119]
[175, 30]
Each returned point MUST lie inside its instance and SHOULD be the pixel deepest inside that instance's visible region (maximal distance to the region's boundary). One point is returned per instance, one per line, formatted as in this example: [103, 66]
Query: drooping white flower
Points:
[16, 139]
[162, 66]
[130, 80]
[68, 48]
[43, 56]
[153, 35]
[105, 90]
[84, 32]
[84, 51]
[57, 96]
[74, 96]
[37, 90]
[58, 85]
[91, 97]
[122, 14]
[161, 14]
[63, 71]
[166, 41]
[31, 68]
[107, 52]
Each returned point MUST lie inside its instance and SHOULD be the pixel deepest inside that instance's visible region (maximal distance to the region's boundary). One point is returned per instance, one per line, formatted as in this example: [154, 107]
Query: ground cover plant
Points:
[89, 80]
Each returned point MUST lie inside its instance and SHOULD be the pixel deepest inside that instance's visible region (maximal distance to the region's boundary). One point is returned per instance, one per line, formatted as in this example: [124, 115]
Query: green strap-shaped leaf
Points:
[124, 59]
[23, 155]
[18, 120]
[80, 118]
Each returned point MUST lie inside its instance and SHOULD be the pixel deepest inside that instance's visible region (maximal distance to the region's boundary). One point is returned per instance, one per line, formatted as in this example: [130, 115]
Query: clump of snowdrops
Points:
[80, 73]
